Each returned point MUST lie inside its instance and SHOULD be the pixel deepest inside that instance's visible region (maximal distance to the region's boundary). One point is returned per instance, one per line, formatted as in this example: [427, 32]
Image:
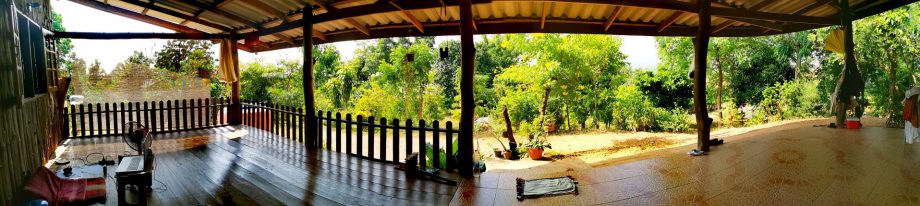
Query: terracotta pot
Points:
[551, 128]
[506, 154]
[535, 154]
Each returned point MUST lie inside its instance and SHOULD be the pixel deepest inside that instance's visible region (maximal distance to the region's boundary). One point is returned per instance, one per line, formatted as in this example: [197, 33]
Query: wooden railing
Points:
[104, 119]
[366, 137]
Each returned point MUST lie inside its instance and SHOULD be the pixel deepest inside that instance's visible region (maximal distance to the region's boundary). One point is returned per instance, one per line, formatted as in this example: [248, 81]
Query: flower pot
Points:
[535, 154]
[498, 153]
[506, 154]
[551, 128]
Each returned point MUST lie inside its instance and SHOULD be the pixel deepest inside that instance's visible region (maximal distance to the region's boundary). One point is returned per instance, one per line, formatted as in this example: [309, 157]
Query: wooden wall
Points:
[27, 137]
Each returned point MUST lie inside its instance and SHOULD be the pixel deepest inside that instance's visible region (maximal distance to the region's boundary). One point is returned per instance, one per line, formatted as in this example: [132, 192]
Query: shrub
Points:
[674, 120]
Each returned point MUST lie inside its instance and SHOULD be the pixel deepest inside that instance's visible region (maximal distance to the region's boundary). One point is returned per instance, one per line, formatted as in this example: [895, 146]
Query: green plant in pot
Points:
[536, 146]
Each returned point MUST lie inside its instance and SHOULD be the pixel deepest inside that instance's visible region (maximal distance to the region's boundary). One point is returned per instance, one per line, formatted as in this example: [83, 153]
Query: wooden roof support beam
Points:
[811, 7]
[613, 17]
[319, 35]
[96, 35]
[758, 23]
[199, 11]
[285, 39]
[756, 15]
[216, 10]
[351, 21]
[173, 13]
[723, 26]
[136, 16]
[670, 20]
[761, 5]
[409, 17]
[267, 9]
[546, 6]
[360, 27]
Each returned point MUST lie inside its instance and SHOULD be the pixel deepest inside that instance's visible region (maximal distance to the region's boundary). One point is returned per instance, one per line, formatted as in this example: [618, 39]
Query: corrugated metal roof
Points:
[242, 16]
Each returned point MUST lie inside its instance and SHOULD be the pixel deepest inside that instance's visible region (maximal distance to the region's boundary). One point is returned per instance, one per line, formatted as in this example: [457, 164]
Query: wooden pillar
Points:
[309, 103]
[467, 105]
[852, 83]
[235, 110]
[701, 49]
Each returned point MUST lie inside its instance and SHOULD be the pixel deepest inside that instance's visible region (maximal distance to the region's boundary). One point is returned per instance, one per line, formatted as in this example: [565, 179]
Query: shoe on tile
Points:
[696, 152]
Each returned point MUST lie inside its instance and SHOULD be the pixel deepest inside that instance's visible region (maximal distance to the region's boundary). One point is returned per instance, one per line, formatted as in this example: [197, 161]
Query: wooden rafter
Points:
[216, 10]
[667, 22]
[811, 7]
[546, 6]
[761, 5]
[267, 9]
[136, 16]
[319, 35]
[358, 26]
[151, 3]
[199, 11]
[285, 39]
[722, 26]
[409, 17]
[759, 23]
[173, 13]
[756, 15]
[351, 21]
[613, 17]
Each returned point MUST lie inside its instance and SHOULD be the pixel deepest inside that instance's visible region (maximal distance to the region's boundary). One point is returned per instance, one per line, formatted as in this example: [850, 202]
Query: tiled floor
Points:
[798, 166]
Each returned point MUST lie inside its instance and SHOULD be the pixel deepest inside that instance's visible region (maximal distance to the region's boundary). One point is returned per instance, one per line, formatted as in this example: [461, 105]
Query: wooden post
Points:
[852, 83]
[309, 104]
[701, 47]
[235, 110]
[467, 104]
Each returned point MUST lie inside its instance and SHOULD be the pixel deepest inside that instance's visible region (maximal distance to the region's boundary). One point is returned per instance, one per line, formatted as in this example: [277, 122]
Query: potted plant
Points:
[550, 124]
[505, 153]
[497, 151]
[535, 148]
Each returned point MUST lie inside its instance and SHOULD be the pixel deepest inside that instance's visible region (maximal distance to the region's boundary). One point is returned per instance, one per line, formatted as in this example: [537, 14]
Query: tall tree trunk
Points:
[543, 106]
[719, 88]
[893, 83]
[421, 101]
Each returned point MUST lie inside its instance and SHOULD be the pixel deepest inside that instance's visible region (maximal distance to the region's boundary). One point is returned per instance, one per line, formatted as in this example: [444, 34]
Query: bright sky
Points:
[640, 49]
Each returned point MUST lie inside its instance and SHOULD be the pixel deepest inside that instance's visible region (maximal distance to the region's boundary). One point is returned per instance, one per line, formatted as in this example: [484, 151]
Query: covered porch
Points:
[231, 163]
[799, 164]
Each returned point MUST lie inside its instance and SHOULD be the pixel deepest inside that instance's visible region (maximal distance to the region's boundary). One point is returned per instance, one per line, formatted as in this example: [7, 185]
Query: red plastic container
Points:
[853, 123]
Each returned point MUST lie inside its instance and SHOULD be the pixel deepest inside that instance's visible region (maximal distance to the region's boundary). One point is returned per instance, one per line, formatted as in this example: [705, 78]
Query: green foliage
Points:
[172, 55]
[442, 160]
[63, 45]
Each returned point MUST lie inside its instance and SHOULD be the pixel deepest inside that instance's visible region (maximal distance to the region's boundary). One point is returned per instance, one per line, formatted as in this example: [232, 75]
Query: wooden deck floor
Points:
[798, 166]
[204, 167]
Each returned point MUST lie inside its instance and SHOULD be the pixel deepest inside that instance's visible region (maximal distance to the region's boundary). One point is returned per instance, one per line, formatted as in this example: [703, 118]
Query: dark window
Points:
[25, 53]
[32, 54]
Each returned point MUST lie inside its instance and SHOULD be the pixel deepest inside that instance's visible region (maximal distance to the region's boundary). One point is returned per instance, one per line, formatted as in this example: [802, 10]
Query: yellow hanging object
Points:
[229, 68]
[834, 41]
